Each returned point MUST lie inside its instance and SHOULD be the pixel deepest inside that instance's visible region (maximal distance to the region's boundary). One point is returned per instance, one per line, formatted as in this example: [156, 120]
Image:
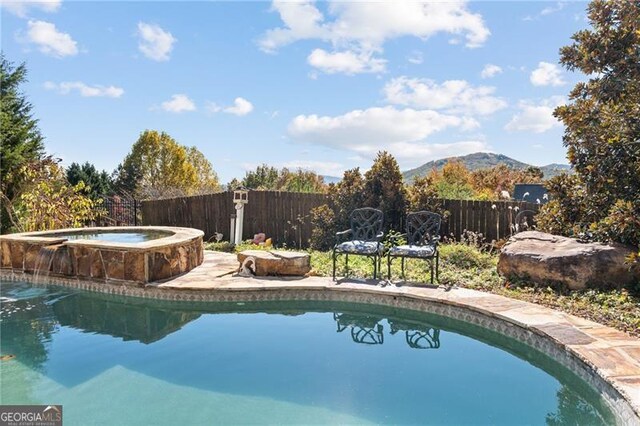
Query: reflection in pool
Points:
[116, 360]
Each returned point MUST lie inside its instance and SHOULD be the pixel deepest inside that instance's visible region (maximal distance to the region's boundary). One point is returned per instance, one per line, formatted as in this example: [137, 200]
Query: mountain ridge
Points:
[482, 160]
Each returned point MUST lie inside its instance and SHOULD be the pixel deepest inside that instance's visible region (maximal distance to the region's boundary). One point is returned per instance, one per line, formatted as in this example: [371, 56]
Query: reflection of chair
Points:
[417, 336]
[364, 238]
[423, 234]
[524, 221]
[364, 328]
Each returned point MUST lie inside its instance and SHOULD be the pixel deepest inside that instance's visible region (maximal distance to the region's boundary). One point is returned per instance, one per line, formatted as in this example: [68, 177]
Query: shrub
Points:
[323, 220]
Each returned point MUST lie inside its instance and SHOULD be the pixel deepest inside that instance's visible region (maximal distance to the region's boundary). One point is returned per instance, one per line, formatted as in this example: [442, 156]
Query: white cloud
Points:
[325, 168]
[346, 62]
[490, 70]
[85, 90]
[240, 107]
[400, 131]
[546, 74]
[416, 57]
[360, 29]
[549, 10]
[178, 103]
[49, 40]
[154, 42]
[453, 96]
[535, 117]
[21, 8]
[552, 9]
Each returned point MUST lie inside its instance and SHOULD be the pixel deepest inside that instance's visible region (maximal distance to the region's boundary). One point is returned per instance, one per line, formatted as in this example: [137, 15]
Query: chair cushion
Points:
[413, 251]
[359, 247]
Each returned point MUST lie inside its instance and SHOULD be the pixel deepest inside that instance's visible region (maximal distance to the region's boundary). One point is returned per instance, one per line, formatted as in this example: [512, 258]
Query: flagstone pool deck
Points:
[607, 353]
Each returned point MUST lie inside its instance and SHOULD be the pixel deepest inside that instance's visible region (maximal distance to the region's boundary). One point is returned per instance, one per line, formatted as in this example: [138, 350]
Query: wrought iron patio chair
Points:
[417, 336]
[365, 329]
[524, 221]
[423, 235]
[365, 237]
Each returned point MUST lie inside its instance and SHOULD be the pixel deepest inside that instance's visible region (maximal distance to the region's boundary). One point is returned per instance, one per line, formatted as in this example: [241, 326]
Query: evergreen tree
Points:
[20, 138]
[384, 190]
[97, 184]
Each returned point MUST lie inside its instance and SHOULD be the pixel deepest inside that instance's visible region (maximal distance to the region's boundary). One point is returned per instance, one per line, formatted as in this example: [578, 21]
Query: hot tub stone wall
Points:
[112, 263]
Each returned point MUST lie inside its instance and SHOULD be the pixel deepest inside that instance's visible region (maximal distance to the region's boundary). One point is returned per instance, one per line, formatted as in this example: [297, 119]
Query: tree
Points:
[384, 189]
[263, 178]
[453, 182]
[97, 184]
[327, 219]
[490, 182]
[158, 166]
[47, 201]
[20, 139]
[206, 177]
[269, 178]
[602, 125]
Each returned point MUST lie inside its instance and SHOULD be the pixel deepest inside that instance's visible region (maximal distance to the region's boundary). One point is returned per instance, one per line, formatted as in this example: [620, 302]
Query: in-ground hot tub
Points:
[137, 255]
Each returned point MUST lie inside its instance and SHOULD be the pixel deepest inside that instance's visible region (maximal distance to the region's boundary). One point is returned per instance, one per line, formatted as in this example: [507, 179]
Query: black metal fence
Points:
[118, 210]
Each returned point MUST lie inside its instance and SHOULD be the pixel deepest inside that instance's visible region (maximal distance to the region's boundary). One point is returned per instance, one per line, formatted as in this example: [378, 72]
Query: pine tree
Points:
[20, 139]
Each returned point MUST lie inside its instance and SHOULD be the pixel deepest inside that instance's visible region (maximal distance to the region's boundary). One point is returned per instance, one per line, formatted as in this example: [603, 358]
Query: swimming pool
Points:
[110, 359]
[116, 237]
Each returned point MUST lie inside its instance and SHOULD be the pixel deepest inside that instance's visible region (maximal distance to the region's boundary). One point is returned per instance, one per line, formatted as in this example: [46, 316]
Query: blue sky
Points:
[322, 86]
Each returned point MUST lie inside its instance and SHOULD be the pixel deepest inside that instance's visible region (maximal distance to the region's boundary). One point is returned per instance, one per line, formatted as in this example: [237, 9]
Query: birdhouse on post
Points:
[240, 199]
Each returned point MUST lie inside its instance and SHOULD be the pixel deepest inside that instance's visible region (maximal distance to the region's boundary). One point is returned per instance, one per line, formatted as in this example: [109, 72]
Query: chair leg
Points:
[346, 264]
[334, 264]
[437, 266]
[389, 266]
[431, 264]
[375, 267]
[403, 277]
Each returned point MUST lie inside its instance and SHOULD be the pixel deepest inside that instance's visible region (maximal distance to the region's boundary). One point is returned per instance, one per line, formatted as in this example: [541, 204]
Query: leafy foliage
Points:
[344, 197]
[97, 184]
[48, 201]
[159, 167]
[268, 178]
[20, 138]
[602, 133]
[384, 190]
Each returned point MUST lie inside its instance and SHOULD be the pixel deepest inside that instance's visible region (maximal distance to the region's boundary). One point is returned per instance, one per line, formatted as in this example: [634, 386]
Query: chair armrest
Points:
[341, 234]
[379, 236]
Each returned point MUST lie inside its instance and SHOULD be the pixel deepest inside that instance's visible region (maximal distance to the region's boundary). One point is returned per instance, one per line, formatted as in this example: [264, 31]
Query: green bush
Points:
[323, 234]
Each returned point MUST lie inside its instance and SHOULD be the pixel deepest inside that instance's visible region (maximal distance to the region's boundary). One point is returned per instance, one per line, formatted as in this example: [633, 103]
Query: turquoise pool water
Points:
[115, 237]
[114, 360]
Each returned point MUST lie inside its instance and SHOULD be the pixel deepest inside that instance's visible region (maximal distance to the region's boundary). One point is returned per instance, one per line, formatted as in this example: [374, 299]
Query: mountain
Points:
[483, 160]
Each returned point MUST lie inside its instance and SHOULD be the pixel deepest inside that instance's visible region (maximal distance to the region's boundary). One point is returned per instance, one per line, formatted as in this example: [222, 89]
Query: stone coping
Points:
[607, 359]
[175, 236]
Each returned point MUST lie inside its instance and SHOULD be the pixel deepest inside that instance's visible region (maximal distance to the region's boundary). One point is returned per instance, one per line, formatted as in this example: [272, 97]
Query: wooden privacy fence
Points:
[493, 223]
[282, 216]
[285, 216]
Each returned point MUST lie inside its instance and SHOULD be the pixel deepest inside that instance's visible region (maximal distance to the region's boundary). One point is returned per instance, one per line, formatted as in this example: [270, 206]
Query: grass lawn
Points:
[467, 266]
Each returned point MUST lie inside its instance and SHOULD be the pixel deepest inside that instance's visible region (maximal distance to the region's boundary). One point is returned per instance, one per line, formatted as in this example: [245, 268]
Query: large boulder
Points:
[274, 262]
[551, 259]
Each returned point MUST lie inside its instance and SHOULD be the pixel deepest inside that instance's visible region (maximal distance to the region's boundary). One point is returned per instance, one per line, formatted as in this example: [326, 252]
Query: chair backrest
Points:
[423, 227]
[366, 223]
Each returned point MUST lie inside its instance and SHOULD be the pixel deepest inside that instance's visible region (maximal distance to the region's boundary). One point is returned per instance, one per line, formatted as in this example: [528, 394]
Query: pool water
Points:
[115, 237]
[116, 360]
